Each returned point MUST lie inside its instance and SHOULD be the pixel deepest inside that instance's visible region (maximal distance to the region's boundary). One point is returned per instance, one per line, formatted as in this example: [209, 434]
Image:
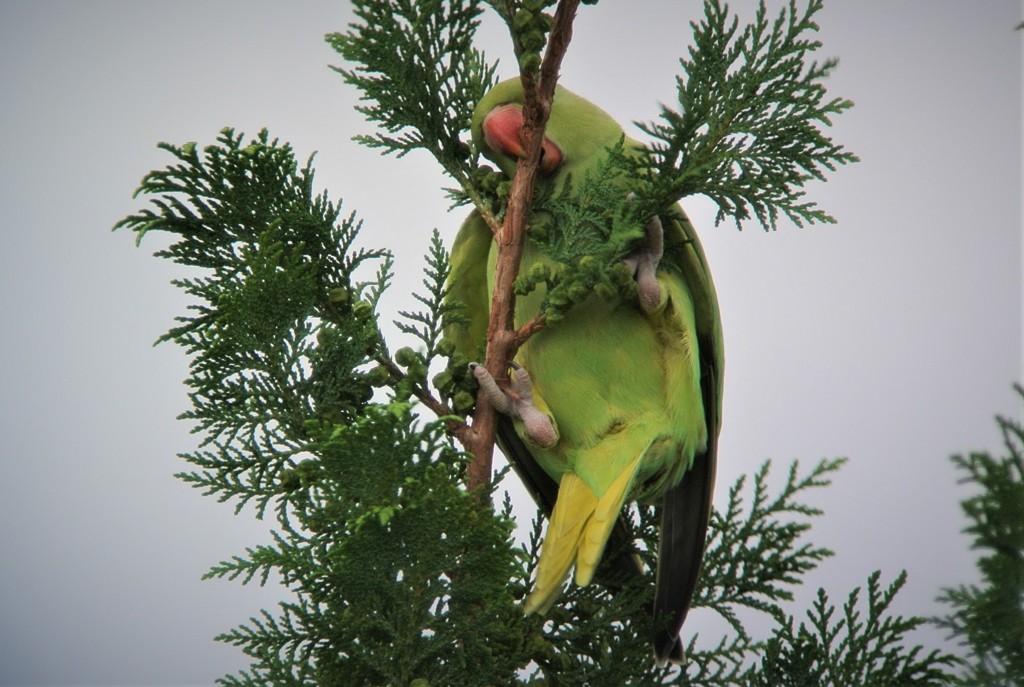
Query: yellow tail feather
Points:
[573, 508]
[600, 525]
[579, 529]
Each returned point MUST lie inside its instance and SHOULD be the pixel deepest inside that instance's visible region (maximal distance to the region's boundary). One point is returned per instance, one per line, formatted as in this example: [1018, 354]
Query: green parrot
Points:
[620, 401]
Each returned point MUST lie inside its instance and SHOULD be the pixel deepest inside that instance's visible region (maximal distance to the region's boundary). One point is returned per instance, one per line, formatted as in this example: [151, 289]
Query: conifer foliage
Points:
[400, 575]
[988, 617]
[391, 560]
[748, 128]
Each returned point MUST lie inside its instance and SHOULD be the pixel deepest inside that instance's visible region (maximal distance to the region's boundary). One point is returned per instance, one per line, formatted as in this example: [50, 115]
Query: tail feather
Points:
[599, 528]
[574, 507]
[623, 565]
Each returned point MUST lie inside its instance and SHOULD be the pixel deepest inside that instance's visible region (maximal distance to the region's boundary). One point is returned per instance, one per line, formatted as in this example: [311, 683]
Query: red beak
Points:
[502, 127]
[503, 134]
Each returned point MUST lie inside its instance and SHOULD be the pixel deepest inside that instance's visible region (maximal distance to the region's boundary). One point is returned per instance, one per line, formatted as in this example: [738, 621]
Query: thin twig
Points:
[457, 428]
[493, 223]
[529, 328]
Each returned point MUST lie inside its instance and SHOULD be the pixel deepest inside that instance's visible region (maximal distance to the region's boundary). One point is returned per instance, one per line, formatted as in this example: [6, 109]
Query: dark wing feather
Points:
[685, 511]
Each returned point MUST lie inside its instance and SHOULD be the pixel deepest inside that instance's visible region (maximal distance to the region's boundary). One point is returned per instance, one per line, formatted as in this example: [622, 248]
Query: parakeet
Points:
[620, 400]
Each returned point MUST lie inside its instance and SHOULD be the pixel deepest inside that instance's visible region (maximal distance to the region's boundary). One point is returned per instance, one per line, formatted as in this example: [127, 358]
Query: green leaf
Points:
[988, 617]
[748, 131]
[863, 647]
[414, 62]
[272, 346]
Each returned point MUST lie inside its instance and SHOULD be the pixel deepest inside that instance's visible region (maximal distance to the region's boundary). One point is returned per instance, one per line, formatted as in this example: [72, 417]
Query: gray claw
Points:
[520, 383]
[517, 402]
[492, 392]
[643, 263]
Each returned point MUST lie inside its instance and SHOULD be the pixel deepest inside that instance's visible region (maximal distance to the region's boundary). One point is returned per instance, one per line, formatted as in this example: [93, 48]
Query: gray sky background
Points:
[892, 337]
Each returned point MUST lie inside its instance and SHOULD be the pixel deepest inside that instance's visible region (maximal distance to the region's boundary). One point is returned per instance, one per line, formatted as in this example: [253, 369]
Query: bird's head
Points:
[577, 130]
[502, 130]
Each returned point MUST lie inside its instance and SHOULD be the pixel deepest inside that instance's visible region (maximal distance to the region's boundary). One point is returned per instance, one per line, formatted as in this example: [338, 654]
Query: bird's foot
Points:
[643, 263]
[517, 402]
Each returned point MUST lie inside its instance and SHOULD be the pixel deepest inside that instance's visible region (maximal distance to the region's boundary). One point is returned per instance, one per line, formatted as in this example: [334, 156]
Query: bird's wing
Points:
[686, 507]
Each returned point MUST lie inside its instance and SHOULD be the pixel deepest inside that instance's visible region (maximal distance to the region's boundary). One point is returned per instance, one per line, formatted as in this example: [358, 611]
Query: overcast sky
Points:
[892, 337]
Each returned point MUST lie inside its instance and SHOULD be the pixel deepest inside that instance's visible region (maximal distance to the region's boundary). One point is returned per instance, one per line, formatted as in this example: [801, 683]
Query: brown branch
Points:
[493, 223]
[457, 428]
[529, 328]
[502, 339]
